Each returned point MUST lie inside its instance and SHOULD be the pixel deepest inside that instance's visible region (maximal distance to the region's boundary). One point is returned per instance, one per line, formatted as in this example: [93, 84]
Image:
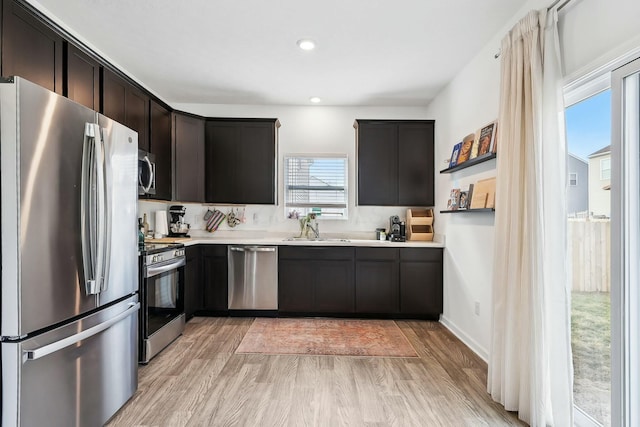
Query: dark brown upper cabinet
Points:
[30, 49]
[189, 158]
[160, 146]
[124, 103]
[240, 161]
[395, 162]
[114, 96]
[82, 78]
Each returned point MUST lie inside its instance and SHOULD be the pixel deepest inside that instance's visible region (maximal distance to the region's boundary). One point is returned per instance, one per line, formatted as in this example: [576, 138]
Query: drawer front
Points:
[421, 254]
[375, 254]
[214, 250]
[316, 252]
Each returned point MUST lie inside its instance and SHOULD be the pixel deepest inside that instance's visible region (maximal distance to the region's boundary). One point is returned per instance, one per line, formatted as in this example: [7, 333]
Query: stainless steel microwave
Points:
[146, 173]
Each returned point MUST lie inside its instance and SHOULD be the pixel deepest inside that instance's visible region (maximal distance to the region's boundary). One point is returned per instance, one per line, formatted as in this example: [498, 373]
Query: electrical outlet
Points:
[255, 217]
[477, 308]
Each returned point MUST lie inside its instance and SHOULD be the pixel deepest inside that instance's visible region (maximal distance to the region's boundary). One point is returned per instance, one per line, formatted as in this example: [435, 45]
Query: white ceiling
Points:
[369, 52]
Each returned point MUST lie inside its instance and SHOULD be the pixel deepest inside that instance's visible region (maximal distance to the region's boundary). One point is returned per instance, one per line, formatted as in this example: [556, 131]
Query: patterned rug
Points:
[331, 337]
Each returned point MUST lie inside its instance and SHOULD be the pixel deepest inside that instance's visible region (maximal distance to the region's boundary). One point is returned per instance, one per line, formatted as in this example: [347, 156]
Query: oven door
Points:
[163, 295]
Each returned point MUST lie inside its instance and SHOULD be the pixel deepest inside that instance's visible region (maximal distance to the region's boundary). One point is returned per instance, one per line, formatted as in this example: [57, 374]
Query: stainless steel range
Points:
[162, 316]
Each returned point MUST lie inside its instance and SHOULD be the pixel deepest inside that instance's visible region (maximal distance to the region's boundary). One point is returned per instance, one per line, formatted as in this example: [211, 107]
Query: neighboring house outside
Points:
[578, 186]
[600, 182]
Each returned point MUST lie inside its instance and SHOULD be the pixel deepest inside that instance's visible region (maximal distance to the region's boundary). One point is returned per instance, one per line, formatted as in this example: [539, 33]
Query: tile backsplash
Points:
[272, 219]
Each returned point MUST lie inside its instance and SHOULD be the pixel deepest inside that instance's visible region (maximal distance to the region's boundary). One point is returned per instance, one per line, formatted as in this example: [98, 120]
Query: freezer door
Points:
[76, 375]
[42, 277]
[121, 156]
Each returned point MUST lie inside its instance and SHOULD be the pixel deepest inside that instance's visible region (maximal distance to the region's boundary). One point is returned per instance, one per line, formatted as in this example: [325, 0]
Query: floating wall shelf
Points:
[468, 163]
[470, 210]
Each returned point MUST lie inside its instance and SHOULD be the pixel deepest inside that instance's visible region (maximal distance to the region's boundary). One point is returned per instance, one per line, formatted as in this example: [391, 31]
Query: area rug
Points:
[331, 337]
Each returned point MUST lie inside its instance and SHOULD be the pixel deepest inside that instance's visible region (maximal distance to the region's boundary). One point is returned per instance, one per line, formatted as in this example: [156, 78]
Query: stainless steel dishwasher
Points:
[253, 277]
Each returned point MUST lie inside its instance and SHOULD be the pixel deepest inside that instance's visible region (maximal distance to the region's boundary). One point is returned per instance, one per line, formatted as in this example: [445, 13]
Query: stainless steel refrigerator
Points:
[69, 319]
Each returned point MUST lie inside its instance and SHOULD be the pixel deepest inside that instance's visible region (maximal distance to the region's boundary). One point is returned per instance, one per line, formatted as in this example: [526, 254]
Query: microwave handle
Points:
[151, 177]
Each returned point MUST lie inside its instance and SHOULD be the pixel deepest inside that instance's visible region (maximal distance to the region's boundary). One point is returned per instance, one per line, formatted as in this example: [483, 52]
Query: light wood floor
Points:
[199, 381]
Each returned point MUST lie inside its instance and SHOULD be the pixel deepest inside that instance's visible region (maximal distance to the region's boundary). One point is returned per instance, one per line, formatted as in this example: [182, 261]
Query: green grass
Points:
[591, 345]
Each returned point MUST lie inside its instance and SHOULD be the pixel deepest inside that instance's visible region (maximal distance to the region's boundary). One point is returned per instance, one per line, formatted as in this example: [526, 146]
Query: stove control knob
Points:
[160, 258]
[155, 258]
[178, 253]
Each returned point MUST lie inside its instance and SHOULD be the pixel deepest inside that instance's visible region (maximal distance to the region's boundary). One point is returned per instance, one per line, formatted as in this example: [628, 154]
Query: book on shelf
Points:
[478, 201]
[454, 155]
[465, 149]
[469, 196]
[486, 138]
[475, 146]
[494, 148]
[463, 203]
[454, 199]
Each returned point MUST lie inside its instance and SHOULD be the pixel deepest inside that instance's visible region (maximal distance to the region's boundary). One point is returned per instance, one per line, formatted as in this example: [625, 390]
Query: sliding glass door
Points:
[625, 245]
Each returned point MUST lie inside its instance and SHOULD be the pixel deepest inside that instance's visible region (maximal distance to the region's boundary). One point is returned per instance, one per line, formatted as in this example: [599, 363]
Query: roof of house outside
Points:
[604, 150]
[578, 158]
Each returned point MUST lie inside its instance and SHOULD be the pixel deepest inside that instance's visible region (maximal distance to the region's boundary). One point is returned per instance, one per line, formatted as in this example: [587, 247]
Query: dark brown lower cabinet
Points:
[323, 280]
[193, 297]
[421, 282]
[315, 280]
[295, 285]
[214, 277]
[377, 289]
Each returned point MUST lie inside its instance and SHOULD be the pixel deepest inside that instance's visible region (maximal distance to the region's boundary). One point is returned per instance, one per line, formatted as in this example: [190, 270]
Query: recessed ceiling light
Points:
[306, 44]
[315, 99]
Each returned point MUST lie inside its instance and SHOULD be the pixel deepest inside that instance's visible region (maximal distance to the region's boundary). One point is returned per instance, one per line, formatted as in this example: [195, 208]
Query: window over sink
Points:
[315, 184]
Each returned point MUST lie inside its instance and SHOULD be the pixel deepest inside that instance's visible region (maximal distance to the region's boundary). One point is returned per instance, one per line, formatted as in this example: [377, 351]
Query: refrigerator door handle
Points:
[43, 351]
[93, 209]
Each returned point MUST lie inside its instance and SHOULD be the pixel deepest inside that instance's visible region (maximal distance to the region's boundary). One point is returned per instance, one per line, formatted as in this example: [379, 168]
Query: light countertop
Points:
[286, 239]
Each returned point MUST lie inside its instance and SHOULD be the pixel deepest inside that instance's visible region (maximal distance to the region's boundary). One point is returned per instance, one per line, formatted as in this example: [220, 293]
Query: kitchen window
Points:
[316, 184]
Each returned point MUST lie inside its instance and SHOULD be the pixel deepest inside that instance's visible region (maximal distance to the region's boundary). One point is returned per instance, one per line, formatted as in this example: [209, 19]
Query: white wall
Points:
[591, 32]
[312, 129]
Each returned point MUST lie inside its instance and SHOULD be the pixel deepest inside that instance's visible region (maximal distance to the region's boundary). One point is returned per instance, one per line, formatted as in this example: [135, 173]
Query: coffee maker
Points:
[397, 229]
[177, 226]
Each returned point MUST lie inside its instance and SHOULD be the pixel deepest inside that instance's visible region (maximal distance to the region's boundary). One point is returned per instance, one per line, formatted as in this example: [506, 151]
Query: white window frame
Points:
[575, 178]
[584, 84]
[604, 167]
[306, 206]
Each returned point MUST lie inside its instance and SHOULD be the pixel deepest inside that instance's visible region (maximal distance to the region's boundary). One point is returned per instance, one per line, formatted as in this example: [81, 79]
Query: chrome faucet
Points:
[315, 228]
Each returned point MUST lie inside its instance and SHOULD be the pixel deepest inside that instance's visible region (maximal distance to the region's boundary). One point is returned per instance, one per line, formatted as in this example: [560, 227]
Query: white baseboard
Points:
[466, 339]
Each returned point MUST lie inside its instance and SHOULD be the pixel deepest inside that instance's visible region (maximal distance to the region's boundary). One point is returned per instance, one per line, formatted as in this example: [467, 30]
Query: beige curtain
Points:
[530, 368]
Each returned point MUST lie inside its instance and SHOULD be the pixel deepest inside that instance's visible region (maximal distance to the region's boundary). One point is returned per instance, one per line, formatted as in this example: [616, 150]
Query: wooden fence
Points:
[589, 242]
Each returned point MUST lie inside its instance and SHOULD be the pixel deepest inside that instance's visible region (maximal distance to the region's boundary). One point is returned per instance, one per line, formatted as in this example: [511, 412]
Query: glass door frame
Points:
[625, 245]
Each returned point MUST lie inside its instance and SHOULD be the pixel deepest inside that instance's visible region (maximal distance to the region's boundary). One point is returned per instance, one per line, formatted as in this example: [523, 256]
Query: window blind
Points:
[316, 185]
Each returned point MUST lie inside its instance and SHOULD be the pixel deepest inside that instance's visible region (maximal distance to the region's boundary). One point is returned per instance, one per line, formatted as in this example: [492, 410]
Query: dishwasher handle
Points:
[253, 249]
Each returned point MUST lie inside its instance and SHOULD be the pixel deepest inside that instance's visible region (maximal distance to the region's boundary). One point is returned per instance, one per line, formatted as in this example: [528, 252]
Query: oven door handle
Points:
[154, 270]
